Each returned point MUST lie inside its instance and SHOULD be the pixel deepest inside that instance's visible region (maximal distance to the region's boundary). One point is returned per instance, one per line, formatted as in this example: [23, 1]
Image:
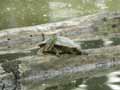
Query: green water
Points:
[18, 13]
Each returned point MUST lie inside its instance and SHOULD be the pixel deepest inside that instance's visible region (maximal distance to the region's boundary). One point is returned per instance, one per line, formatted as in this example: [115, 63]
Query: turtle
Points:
[59, 45]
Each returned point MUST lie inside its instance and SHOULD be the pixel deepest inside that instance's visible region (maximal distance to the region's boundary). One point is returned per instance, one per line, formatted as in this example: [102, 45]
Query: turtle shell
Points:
[62, 41]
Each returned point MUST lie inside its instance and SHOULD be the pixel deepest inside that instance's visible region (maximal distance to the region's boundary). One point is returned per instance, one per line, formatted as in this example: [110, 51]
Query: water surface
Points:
[18, 13]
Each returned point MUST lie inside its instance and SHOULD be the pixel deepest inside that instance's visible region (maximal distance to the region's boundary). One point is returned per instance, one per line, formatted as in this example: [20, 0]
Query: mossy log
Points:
[31, 71]
[22, 68]
[88, 27]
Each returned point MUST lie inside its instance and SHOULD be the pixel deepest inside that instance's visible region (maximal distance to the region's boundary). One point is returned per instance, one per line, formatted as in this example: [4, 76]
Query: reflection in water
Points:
[81, 87]
[97, 83]
[61, 10]
[114, 77]
[107, 82]
[114, 87]
[101, 4]
[114, 80]
[12, 20]
[17, 13]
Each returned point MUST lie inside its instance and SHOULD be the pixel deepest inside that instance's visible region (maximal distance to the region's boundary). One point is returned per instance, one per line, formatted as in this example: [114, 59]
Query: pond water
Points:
[18, 13]
[111, 81]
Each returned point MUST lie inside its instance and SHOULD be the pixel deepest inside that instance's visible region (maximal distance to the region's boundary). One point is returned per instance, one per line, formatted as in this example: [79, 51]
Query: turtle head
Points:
[43, 36]
[41, 44]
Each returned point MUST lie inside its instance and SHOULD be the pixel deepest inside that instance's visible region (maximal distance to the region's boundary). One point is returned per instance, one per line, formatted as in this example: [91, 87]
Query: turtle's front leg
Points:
[40, 52]
[52, 43]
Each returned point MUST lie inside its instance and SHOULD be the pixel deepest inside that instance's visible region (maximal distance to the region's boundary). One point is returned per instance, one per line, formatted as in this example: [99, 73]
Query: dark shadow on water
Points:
[97, 83]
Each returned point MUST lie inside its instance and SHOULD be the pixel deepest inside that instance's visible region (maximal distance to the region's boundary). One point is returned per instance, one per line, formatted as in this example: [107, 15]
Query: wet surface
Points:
[29, 12]
[111, 81]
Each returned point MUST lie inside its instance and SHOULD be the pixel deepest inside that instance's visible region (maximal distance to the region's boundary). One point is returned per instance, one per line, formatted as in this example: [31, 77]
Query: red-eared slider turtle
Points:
[60, 45]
